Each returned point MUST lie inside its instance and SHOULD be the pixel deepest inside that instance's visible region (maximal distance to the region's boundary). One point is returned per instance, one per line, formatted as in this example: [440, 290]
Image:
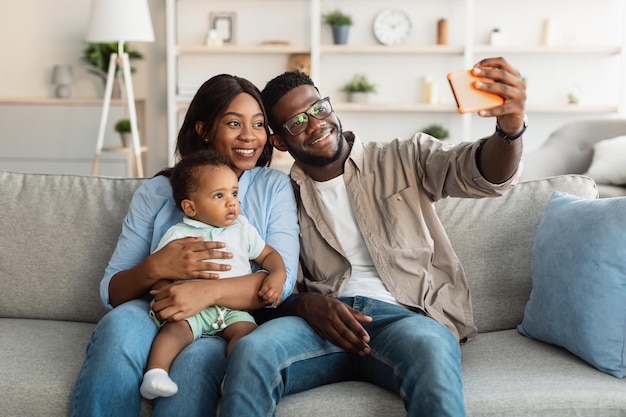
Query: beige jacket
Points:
[392, 188]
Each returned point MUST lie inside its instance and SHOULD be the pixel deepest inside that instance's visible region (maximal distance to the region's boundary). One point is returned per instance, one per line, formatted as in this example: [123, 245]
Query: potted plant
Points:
[340, 24]
[98, 55]
[437, 131]
[359, 88]
[496, 37]
[122, 127]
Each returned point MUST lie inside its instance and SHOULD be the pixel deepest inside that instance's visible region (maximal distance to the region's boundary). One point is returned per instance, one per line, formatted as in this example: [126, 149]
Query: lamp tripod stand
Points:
[124, 63]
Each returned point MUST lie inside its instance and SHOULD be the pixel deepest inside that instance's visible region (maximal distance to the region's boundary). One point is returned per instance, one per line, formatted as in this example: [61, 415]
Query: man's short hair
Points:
[276, 88]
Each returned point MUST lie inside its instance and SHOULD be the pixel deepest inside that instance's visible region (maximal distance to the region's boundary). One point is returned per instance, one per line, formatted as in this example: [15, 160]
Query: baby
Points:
[205, 187]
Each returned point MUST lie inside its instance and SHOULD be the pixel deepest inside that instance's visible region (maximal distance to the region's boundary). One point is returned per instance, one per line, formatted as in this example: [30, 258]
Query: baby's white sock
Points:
[157, 383]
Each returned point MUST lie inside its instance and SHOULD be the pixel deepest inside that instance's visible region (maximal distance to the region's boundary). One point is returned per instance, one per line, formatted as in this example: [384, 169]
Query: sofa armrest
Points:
[569, 149]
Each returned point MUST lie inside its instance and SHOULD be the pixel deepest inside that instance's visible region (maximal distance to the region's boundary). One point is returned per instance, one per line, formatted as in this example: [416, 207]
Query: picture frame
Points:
[224, 23]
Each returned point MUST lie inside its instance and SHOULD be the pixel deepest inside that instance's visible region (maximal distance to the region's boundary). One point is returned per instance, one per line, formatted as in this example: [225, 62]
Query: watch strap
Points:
[510, 138]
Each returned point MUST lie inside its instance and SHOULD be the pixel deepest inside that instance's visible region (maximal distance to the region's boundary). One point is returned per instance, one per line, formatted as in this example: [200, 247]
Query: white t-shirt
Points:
[364, 280]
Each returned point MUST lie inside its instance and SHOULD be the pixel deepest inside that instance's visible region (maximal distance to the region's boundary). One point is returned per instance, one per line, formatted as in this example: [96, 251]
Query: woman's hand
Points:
[181, 259]
[335, 321]
[189, 258]
[180, 299]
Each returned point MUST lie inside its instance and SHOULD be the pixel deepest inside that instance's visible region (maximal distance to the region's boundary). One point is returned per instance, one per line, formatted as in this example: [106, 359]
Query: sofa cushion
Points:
[507, 374]
[39, 362]
[608, 164]
[578, 298]
[362, 398]
[493, 237]
[504, 374]
[607, 190]
[58, 229]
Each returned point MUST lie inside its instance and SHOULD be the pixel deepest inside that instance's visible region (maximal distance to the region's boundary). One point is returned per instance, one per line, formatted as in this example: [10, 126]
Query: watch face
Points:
[392, 26]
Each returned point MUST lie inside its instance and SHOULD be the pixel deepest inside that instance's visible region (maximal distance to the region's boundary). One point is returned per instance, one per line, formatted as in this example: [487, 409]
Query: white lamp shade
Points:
[120, 21]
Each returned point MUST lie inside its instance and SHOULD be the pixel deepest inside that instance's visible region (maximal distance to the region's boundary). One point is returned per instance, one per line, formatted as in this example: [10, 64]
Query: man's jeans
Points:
[108, 383]
[412, 355]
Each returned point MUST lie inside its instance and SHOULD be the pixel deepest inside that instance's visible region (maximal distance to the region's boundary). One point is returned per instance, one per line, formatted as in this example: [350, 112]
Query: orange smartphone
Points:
[468, 98]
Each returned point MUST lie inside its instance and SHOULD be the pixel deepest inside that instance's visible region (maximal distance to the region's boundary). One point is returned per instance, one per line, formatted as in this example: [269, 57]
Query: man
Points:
[381, 295]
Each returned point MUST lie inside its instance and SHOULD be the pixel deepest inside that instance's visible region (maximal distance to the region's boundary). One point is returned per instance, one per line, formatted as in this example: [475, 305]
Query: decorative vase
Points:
[340, 34]
[442, 32]
[359, 97]
[127, 140]
[546, 33]
[496, 38]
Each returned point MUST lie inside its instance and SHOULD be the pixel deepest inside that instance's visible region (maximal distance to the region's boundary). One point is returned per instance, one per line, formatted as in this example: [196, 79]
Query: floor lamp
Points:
[120, 21]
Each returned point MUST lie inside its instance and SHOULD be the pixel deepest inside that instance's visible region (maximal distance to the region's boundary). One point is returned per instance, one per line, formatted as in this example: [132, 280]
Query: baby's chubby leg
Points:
[171, 340]
[236, 331]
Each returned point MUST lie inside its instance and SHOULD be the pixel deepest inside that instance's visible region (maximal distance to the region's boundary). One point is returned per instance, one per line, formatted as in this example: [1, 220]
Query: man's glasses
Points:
[298, 123]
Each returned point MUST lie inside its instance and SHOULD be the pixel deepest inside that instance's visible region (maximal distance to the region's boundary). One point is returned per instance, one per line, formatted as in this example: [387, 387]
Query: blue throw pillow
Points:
[578, 298]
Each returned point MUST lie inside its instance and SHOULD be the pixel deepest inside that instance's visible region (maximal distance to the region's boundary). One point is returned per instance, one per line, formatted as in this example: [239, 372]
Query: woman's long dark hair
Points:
[208, 105]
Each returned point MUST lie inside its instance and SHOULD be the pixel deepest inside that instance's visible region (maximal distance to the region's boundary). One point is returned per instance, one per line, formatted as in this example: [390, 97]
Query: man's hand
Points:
[335, 321]
[508, 84]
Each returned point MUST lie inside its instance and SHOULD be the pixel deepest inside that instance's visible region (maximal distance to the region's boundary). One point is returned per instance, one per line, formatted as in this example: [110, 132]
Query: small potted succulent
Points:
[436, 131]
[340, 24]
[359, 89]
[122, 127]
[496, 37]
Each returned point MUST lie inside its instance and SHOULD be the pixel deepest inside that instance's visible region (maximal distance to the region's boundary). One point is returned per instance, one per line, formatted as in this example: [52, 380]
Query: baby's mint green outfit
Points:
[244, 242]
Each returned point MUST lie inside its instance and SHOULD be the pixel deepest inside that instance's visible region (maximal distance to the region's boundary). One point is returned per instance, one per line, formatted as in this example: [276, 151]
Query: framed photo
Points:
[224, 24]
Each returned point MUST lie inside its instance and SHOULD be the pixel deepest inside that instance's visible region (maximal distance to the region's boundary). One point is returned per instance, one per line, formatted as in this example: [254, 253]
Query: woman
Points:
[227, 115]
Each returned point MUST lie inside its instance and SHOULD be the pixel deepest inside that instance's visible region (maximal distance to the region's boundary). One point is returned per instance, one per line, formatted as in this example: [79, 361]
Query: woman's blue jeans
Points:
[108, 382]
[412, 355]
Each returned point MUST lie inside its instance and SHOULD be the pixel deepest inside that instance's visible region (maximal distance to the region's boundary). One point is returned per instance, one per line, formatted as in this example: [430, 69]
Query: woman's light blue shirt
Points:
[266, 199]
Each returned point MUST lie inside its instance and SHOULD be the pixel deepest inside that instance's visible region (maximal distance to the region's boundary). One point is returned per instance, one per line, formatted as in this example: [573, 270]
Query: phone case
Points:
[468, 98]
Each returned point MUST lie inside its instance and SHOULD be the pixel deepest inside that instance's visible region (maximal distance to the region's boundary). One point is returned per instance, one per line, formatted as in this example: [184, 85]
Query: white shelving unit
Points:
[598, 63]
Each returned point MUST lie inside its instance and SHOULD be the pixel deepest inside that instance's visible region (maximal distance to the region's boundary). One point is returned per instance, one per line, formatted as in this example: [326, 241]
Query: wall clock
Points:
[392, 26]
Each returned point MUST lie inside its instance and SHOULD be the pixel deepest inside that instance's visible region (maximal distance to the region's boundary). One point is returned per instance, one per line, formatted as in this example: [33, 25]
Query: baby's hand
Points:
[272, 290]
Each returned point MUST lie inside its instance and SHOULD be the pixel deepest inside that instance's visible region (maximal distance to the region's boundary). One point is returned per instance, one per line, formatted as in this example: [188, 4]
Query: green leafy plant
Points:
[436, 131]
[98, 55]
[572, 98]
[337, 18]
[359, 84]
[123, 125]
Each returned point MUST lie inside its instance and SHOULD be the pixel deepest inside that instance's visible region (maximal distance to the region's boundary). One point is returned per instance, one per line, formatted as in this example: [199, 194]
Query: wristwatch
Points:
[510, 138]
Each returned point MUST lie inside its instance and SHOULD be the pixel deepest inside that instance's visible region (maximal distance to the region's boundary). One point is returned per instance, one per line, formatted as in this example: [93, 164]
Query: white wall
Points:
[41, 33]
[37, 34]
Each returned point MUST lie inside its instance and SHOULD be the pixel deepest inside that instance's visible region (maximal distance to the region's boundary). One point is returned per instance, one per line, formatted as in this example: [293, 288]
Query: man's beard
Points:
[318, 161]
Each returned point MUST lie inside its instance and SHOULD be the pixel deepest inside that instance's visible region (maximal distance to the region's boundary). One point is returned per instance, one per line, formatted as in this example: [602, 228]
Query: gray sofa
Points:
[59, 232]
[569, 150]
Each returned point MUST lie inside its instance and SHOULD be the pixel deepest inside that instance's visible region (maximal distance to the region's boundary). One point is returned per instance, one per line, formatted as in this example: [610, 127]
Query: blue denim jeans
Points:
[108, 382]
[412, 355]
